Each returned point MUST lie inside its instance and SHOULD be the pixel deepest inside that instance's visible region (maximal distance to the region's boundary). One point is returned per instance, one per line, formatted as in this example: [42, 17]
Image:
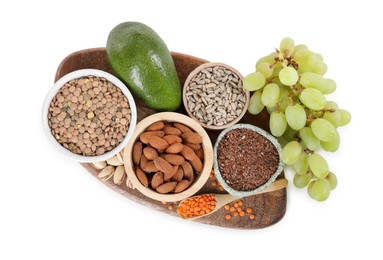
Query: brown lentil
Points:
[82, 116]
[246, 159]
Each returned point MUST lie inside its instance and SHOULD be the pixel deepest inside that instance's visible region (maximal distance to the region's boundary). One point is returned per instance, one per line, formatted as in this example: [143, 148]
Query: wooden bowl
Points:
[186, 88]
[201, 179]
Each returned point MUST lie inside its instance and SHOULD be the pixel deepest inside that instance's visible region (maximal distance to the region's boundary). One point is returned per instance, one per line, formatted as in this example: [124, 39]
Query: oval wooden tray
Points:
[267, 208]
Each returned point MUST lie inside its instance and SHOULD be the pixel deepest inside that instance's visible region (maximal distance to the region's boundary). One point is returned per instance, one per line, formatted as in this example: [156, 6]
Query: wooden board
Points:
[267, 208]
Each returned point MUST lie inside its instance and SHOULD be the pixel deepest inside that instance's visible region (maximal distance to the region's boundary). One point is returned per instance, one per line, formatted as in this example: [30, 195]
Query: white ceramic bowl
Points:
[79, 74]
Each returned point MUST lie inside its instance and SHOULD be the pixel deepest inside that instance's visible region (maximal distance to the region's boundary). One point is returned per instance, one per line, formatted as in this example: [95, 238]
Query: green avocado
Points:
[141, 59]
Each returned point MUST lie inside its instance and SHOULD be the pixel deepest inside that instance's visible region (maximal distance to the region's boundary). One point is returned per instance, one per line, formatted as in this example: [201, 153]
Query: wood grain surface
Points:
[268, 208]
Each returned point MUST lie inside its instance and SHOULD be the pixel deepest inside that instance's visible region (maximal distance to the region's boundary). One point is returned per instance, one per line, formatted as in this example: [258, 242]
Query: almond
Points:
[200, 153]
[169, 130]
[156, 126]
[179, 175]
[193, 146]
[182, 127]
[188, 170]
[166, 187]
[196, 164]
[187, 152]
[150, 153]
[137, 152]
[141, 176]
[157, 180]
[191, 137]
[181, 186]
[143, 161]
[174, 148]
[174, 159]
[150, 167]
[144, 137]
[165, 167]
[171, 139]
[158, 143]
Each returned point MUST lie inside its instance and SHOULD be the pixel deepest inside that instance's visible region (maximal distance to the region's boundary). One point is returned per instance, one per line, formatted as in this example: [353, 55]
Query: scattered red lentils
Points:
[227, 216]
[252, 216]
[227, 206]
[235, 214]
[232, 209]
[242, 213]
[170, 207]
[164, 202]
[249, 210]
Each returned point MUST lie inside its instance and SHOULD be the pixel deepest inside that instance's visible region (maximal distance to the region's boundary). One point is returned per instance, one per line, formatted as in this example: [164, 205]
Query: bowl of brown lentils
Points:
[89, 115]
[213, 95]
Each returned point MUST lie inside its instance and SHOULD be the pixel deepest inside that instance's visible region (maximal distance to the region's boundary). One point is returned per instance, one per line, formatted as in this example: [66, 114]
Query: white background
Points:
[51, 208]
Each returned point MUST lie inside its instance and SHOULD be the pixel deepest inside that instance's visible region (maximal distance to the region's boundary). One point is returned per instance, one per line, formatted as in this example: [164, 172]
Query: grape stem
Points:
[328, 110]
[308, 151]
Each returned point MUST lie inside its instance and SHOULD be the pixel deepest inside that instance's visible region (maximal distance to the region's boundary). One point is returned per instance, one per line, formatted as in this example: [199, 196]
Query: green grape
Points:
[322, 129]
[254, 81]
[291, 152]
[270, 95]
[301, 180]
[287, 46]
[289, 134]
[320, 68]
[320, 189]
[318, 165]
[288, 76]
[302, 165]
[299, 48]
[333, 117]
[310, 62]
[345, 117]
[270, 59]
[295, 116]
[313, 80]
[265, 69]
[332, 180]
[255, 103]
[283, 100]
[330, 87]
[332, 145]
[282, 141]
[309, 139]
[331, 105]
[278, 123]
[309, 188]
[313, 99]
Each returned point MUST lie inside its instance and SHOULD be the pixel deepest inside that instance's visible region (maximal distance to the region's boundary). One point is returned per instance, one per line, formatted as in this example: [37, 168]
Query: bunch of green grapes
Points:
[290, 84]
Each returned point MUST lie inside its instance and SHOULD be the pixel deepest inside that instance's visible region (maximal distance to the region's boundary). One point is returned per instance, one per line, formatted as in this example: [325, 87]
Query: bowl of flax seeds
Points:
[247, 159]
[89, 115]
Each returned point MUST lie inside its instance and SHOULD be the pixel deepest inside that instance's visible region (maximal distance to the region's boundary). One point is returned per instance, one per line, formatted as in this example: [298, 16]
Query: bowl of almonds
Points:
[213, 95]
[169, 157]
[89, 115]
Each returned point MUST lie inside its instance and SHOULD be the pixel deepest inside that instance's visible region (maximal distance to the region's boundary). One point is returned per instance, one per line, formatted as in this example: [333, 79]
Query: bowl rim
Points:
[207, 164]
[191, 76]
[265, 134]
[78, 74]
